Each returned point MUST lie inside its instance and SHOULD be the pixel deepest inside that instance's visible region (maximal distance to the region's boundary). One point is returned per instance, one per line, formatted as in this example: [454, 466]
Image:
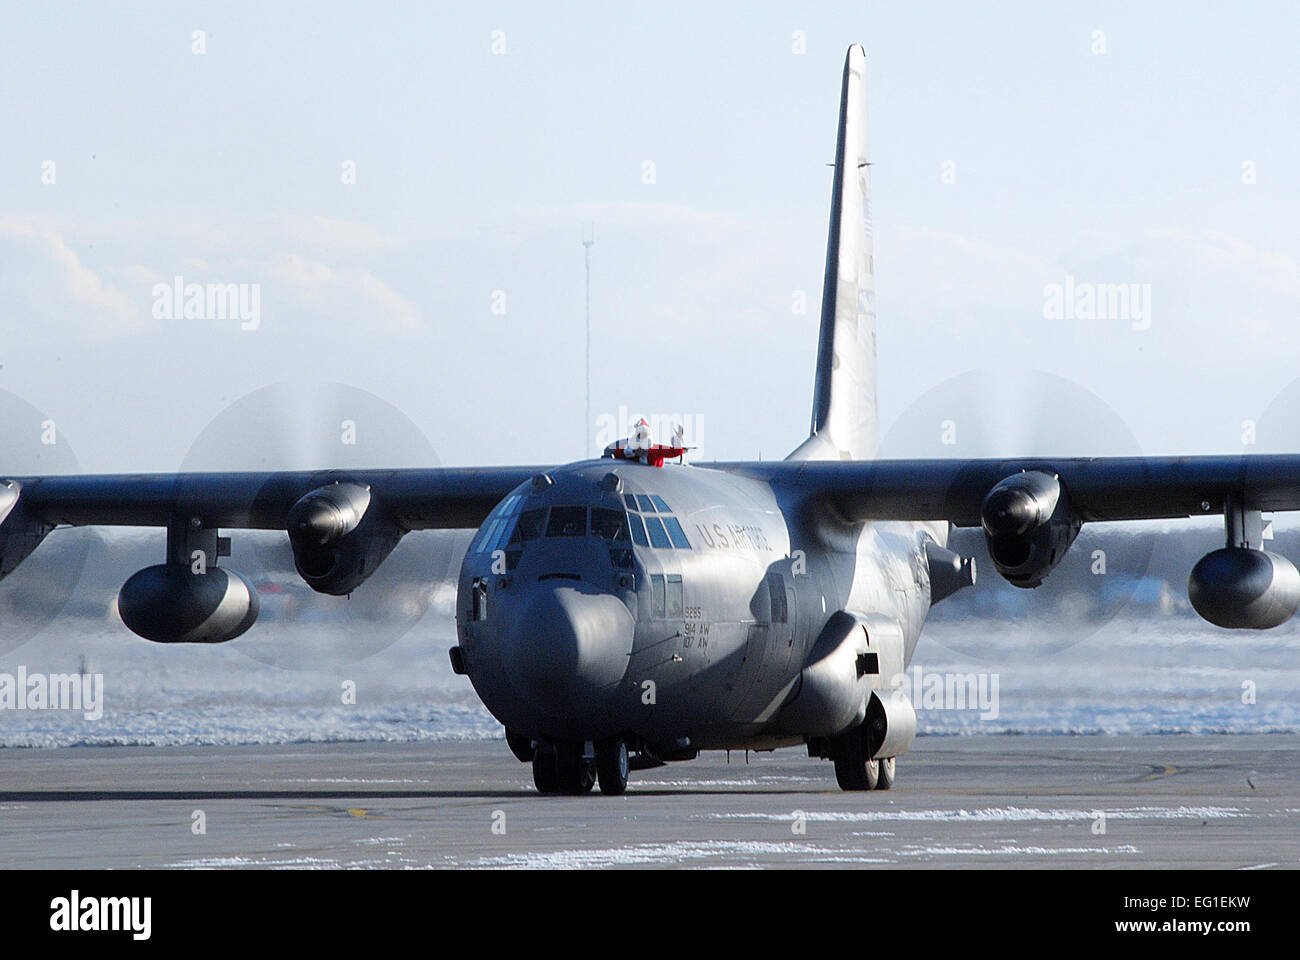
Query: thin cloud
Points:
[347, 293]
[47, 252]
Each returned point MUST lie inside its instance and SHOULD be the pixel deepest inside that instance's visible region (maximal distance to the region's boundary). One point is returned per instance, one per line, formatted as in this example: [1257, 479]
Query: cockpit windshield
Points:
[608, 524]
[529, 526]
[567, 522]
[653, 526]
[496, 528]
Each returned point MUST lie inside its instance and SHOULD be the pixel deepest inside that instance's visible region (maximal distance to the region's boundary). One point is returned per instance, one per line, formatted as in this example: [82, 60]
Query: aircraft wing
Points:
[1031, 510]
[341, 525]
[1102, 488]
[414, 499]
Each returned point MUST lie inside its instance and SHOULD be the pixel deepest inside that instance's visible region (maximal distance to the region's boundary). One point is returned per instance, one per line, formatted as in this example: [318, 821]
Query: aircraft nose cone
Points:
[569, 649]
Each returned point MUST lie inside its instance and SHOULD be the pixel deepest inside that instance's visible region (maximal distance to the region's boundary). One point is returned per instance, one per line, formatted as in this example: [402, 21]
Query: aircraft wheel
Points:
[545, 773]
[576, 773]
[854, 770]
[611, 766]
[887, 768]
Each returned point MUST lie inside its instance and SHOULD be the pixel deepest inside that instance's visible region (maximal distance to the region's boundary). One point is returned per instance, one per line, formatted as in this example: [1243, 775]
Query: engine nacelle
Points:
[339, 537]
[19, 533]
[1241, 588]
[1029, 525]
[169, 603]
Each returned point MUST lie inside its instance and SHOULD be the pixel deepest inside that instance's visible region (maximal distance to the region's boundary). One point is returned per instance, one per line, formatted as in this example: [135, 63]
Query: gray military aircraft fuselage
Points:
[676, 607]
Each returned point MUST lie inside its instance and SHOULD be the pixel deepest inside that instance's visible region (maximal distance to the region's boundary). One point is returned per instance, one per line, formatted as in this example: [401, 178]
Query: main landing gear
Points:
[574, 768]
[854, 768]
[887, 769]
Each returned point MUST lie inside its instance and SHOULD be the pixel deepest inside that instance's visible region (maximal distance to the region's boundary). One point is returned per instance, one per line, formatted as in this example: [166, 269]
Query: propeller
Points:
[43, 586]
[1277, 430]
[329, 425]
[993, 413]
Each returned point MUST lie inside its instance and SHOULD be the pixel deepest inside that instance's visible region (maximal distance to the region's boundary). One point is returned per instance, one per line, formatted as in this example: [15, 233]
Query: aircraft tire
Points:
[576, 774]
[888, 766]
[854, 770]
[545, 773]
[611, 767]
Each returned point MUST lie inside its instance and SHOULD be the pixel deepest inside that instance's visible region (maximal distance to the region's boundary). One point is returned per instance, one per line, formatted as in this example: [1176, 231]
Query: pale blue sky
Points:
[475, 172]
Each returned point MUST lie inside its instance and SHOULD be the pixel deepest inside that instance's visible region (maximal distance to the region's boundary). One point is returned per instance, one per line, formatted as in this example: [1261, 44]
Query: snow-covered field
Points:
[1158, 675]
[1168, 675]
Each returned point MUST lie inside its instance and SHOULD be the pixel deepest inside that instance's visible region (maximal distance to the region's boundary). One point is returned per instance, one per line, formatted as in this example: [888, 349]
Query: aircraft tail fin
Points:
[844, 424]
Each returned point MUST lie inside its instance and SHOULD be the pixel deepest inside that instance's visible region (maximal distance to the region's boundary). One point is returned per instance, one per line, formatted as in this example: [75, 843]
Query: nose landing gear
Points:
[574, 768]
[612, 766]
[545, 777]
[564, 767]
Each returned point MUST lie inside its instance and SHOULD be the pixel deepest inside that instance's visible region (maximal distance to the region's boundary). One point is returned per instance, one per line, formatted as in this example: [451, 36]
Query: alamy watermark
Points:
[54, 691]
[1074, 300]
[179, 300]
[76, 913]
[949, 691]
[662, 427]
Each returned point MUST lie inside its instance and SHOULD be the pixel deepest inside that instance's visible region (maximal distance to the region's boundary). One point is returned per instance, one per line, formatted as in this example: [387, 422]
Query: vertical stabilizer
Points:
[844, 425]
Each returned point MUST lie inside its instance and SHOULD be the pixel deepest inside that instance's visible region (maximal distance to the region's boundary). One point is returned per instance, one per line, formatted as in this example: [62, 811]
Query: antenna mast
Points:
[587, 244]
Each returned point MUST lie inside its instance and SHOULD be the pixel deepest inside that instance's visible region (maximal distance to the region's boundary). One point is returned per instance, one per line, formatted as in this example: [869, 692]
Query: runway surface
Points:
[1095, 802]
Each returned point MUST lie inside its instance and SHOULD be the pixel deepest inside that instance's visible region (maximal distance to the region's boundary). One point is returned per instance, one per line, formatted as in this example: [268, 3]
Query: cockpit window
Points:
[676, 533]
[529, 526]
[567, 522]
[608, 524]
[496, 528]
[658, 536]
[652, 522]
[657, 528]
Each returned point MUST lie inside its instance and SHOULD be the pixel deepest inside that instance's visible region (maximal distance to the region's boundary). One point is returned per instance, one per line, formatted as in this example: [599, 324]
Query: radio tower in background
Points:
[587, 244]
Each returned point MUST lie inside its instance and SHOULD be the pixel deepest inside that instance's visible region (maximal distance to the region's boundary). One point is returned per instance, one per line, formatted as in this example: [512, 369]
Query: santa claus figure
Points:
[640, 441]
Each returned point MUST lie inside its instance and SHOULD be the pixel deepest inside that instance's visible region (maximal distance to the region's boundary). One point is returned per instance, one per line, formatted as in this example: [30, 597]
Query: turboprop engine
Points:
[1029, 525]
[19, 533]
[339, 536]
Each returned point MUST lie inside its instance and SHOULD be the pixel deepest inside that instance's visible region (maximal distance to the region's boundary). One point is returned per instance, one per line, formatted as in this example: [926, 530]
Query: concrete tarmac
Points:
[1088, 802]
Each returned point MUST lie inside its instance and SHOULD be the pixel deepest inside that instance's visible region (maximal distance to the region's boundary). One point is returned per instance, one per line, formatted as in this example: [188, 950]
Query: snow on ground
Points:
[1170, 675]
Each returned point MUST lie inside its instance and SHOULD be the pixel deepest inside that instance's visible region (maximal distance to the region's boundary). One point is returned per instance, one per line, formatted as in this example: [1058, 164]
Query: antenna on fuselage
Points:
[587, 244]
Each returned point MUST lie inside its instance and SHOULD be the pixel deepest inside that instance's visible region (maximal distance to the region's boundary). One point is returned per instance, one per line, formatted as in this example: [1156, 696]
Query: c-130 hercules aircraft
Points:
[624, 612]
